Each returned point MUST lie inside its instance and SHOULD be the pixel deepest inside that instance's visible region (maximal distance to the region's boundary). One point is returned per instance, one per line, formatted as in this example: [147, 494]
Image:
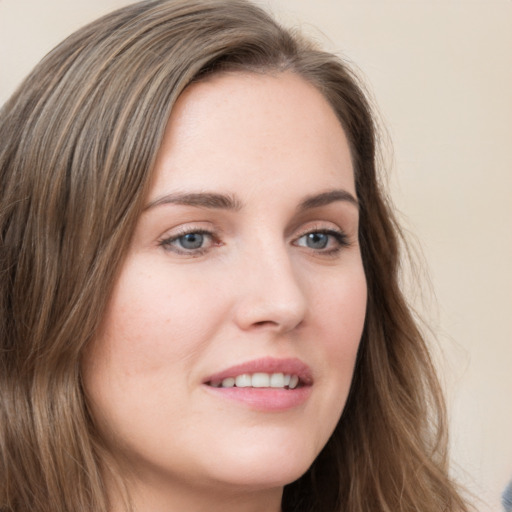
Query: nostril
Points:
[264, 323]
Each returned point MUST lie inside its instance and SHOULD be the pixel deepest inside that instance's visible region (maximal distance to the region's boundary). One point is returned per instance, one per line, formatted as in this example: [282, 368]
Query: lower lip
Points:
[264, 399]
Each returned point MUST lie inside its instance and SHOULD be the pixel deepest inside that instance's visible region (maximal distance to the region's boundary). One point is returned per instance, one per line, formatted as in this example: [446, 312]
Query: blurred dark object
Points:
[506, 499]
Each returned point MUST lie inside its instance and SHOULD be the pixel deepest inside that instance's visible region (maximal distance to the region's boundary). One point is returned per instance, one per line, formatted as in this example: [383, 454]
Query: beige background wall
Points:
[441, 73]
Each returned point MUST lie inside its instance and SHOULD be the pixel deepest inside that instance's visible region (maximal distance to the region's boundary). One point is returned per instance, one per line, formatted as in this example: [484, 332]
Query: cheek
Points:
[138, 367]
[341, 312]
[153, 320]
[340, 320]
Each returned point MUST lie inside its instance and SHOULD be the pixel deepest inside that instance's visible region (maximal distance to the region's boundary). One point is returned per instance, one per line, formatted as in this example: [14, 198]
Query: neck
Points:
[141, 497]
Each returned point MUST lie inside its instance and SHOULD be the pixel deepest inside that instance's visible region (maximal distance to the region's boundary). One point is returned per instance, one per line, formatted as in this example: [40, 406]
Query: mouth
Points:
[267, 373]
[258, 380]
[264, 385]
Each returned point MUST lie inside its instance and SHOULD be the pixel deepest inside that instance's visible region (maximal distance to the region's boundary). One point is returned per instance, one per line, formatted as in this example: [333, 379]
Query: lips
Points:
[267, 385]
[264, 373]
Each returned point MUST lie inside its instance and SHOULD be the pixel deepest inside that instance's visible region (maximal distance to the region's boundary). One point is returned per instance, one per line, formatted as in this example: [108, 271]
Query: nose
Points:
[269, 295]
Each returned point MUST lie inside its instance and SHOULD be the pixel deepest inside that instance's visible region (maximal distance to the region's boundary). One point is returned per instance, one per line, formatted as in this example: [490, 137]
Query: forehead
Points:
[256, 128]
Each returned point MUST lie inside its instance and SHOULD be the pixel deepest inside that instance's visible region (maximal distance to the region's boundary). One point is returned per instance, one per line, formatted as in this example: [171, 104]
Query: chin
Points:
[271, 476]
[265, 466]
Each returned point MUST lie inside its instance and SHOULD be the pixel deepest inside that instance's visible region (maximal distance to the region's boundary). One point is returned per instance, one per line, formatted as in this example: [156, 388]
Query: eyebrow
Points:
[215, 201]
[325, 198]
[208, 200]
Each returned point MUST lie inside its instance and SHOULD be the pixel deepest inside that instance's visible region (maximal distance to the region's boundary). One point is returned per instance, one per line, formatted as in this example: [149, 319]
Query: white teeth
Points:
[258, 380]
[243, 381]
[228, 383]
[277, 380]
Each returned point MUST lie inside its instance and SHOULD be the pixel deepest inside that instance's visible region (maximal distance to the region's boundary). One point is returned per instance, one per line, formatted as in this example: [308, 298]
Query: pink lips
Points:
[265, 399]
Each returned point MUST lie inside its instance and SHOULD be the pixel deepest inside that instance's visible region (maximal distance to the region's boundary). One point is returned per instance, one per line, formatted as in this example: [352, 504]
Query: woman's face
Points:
[244, 275]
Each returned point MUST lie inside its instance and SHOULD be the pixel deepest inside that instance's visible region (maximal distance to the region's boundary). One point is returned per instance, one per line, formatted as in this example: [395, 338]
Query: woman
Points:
[200, 306]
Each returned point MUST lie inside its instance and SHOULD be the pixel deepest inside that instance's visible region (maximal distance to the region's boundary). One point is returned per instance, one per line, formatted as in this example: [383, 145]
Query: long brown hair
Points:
[78, 144]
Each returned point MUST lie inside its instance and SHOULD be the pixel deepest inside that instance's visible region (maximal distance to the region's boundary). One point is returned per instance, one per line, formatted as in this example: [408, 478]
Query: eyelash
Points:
[169, 244]
[339, 236]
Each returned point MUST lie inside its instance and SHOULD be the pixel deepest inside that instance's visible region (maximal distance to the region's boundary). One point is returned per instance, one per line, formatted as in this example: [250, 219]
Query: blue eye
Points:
[316, 240]
[326, 241]
[191, 241]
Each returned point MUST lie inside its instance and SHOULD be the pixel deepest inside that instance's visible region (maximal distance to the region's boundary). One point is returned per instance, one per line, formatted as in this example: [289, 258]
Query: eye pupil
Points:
[192, 240]
[317, 240]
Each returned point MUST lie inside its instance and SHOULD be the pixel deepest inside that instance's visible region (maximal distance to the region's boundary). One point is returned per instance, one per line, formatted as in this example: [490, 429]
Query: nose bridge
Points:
[270, 289]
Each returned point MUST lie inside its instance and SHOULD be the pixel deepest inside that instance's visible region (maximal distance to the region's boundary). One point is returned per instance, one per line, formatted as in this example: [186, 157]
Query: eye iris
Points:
[317, 240]
[192, 241]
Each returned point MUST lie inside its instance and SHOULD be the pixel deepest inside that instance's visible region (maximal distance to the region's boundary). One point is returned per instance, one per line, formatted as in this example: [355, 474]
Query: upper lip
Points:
[289, 366]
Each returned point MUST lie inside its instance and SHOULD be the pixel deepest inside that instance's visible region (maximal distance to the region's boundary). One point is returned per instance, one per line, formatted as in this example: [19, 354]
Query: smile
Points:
[267, 384]
[258, 380]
